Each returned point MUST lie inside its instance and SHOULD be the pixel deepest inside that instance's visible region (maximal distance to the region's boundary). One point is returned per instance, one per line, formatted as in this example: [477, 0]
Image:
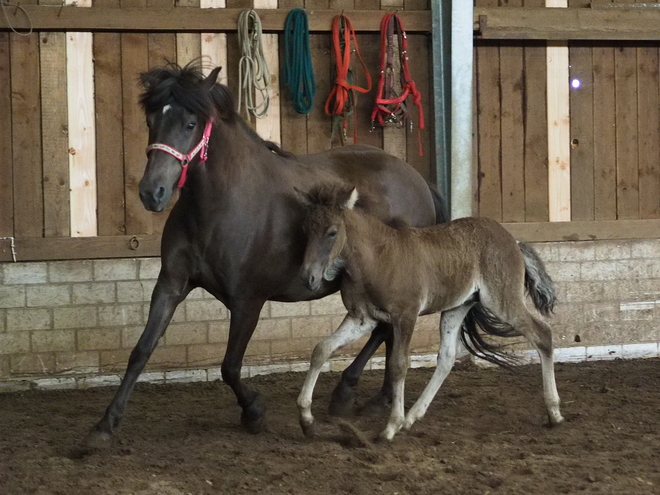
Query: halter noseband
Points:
[201, 148]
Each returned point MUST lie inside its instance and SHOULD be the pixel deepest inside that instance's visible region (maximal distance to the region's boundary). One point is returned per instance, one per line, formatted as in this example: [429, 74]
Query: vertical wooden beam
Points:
[214, 45]
[269, 127]
[559, 150]
[26, 136]
[648, 115]
[188, 46]
[82, 144]
[6, 189]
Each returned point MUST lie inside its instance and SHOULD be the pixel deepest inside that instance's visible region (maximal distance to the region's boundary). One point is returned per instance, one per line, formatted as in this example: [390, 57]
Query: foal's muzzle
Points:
[310, 279]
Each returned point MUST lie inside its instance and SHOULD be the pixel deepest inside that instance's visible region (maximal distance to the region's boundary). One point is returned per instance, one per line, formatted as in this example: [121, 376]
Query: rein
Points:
[391, 108]
[201, 148]
[341, 101]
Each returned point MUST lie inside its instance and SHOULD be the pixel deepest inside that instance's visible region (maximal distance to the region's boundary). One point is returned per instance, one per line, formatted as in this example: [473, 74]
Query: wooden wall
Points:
[36, 151]
[614, 128]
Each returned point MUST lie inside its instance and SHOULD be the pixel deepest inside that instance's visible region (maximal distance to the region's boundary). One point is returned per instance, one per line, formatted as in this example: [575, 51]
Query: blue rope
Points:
[298, 73]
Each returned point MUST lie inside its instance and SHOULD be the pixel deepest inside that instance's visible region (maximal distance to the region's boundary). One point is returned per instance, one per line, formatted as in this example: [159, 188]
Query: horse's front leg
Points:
[244, 319]
[342, 401]
[163, 303]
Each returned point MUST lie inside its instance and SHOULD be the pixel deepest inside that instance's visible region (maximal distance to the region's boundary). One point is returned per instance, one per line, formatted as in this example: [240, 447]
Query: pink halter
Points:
[201, 148]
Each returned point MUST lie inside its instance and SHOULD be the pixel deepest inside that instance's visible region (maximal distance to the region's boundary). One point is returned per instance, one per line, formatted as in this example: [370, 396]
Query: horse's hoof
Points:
[555, 420]
[342, 401]
[97, 440]
[309, 429]
[376, 406]
[253, 418]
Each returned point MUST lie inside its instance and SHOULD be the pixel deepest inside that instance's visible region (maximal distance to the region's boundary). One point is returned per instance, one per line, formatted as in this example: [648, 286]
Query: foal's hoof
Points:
[342, 401]
[376, 406]
[253, 418]
[309, 429]
[97, 440]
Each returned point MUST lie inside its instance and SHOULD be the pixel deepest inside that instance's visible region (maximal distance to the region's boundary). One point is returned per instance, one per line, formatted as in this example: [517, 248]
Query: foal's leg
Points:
[350, 330]
[244, 319]
[164, 301]
[343, 396]
[539, 334]
[450, 326]
[403, 330]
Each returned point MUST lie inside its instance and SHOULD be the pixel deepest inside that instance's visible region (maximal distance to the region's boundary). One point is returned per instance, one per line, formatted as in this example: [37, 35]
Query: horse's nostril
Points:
[159, 193]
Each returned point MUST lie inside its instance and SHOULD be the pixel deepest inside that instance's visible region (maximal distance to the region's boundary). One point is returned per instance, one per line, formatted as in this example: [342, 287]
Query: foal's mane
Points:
[183, 85]
[329, 196]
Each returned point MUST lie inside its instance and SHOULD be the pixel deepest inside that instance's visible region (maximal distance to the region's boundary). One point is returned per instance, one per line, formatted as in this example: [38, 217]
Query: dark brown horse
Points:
[462, 268]
[236, 229]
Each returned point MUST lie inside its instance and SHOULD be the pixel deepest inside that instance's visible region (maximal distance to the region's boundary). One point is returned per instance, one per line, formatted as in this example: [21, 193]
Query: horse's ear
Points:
[211, 79]
[352, 199]
[148, 80]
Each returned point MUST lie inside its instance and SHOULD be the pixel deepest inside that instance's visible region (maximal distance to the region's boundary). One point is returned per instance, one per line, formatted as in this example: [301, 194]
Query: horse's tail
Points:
[440, 204]
[537, 281]
[540, 288]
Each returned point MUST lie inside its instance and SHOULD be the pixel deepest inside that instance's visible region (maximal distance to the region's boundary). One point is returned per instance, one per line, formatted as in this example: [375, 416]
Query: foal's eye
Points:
[332, 234]
[191, 126]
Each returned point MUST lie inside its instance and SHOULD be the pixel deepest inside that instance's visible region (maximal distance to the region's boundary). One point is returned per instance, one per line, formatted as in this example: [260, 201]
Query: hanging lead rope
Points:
[391, 108]
[298, 73]
[253, 74]
[341, 102]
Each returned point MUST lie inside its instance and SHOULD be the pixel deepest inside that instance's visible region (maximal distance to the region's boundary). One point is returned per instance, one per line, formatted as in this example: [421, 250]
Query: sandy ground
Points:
[484, 434]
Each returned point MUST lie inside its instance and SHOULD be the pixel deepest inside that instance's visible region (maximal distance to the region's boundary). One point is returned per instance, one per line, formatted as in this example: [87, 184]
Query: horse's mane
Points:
[183, 85]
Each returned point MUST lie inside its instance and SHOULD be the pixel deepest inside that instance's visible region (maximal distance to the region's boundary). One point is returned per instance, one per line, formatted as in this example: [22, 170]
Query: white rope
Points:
[253, 74]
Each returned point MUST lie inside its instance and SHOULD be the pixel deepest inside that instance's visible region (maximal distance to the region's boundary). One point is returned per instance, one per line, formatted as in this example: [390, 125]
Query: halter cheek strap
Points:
[201, 148]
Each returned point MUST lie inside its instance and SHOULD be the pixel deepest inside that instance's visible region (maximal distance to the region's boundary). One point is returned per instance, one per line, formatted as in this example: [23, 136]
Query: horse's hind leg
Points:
[342, 401]
[539, 335]
[450, 325]
[163, 304]
[350, 330]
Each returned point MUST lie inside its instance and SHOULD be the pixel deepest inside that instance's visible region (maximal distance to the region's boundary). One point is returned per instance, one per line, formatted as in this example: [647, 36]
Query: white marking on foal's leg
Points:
[166, 109]
[450, 325]
[350, 330]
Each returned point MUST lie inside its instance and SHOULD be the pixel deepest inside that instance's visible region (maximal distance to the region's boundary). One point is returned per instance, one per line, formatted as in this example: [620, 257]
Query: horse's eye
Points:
[332, 234]
[191, 126]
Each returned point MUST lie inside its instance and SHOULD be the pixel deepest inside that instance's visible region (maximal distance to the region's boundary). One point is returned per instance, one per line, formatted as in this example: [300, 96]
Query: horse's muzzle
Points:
[310, 280]
[153, 199]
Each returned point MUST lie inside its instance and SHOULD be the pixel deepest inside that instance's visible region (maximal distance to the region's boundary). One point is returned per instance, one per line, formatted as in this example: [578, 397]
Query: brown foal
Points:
[469, 269]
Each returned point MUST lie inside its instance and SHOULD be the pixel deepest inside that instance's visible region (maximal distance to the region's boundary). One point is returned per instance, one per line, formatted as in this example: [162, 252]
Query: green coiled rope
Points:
[298, 73]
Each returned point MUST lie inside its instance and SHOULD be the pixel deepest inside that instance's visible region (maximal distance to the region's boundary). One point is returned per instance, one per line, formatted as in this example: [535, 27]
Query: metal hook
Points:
[18, 6]
[59, 12]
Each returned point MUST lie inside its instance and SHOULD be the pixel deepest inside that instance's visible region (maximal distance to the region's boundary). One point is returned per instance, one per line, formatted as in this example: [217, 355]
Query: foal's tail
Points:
[540, 288]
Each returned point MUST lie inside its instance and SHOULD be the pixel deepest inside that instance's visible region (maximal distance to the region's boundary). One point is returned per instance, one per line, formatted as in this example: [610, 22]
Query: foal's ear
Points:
[303, 197]
[211, 79]
[352, 199]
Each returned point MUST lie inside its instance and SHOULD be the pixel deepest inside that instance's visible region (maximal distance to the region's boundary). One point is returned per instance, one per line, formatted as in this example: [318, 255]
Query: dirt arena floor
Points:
[484, 434]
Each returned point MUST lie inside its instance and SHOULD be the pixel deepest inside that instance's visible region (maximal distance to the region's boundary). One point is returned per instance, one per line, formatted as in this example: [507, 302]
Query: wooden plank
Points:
[54, 130]
[81, 248]
[584, 231]
[419, 48]
[82, 144]
[26, 135]
[604, 134]
[269, 127]
[214, 45]
[559, 151]
[648, 125]
[627, 160]
[294, 132]
[233, 51]
[194, 20]
[582, 129]
[512, 129]
[369, 44]
[135, 59]
[162, 46]
[188, 45]
[6, 172]
[319, 125]
[567, 24]
[488, 114]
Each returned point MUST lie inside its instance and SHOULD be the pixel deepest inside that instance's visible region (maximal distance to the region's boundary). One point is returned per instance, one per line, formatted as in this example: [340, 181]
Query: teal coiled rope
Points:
[298, 73]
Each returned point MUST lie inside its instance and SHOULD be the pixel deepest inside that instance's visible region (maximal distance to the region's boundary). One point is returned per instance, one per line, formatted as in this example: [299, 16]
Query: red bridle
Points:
[201, 148]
